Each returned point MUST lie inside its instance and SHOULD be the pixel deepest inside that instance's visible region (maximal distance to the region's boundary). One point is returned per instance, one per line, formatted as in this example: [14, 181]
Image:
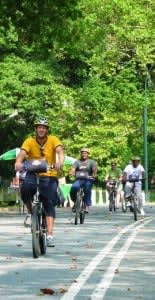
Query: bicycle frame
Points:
[112, 195]
[133, 202]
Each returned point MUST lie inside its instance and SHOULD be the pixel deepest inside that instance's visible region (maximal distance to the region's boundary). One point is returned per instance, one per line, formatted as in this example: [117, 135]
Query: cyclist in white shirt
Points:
[134, 171]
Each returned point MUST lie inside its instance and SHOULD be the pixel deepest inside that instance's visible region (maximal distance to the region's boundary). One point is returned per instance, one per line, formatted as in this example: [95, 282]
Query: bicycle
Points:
[112, 184]
[80, 206]
[132, 199]
[38, 220]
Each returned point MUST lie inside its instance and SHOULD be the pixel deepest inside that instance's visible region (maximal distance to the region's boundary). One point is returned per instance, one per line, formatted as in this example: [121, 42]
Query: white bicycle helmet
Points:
[41, 121]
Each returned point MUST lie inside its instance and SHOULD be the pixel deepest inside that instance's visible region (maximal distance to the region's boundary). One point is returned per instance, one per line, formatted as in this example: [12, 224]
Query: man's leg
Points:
[28, 190]
[87, 185]
[48, 196]
[73, 192]
[50, 225]
[139, 199]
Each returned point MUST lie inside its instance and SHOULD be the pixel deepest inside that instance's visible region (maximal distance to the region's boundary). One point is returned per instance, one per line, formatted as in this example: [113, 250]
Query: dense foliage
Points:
[88, 65]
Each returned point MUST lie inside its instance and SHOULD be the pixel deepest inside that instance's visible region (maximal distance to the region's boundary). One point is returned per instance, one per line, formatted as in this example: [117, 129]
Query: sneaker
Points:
[50, 241]
[27, 221]
[86, 210]
[142, 212]
[128, 204]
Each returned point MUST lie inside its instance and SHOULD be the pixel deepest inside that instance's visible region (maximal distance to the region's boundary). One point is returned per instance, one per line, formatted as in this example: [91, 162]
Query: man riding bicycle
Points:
[43, 147]
[134, 172]
[84, 169]
[114, 174]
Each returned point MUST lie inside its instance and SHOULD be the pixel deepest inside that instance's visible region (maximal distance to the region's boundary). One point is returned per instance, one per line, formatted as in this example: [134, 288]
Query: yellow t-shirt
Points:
[33, 150]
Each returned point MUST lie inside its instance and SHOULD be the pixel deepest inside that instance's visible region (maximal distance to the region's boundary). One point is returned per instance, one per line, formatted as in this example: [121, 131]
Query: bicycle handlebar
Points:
[134, 180]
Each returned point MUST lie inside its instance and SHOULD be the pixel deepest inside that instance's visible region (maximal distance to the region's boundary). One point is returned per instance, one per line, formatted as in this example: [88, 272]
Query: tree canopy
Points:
[89, 66]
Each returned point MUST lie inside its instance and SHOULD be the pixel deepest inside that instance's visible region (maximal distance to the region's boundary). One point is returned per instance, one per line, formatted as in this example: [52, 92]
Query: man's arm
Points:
[59, 157]
[72, 171]
[19, 160]
[94, 171]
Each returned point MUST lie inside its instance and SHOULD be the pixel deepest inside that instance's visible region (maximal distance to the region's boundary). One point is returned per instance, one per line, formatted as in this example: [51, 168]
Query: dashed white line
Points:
[76, 286]
[104, 284]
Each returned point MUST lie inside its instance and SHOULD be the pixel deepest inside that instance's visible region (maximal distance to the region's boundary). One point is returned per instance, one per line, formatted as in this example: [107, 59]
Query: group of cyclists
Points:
[44, 146]
[133, 173]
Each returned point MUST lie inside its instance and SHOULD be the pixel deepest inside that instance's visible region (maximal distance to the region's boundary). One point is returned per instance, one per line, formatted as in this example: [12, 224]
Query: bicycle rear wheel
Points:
[35, 228]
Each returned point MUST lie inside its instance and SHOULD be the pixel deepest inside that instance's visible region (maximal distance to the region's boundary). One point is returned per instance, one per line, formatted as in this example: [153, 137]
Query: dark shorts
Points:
[47, 191]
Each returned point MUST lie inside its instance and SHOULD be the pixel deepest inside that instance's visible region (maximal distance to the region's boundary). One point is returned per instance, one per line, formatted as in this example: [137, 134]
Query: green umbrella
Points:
[69, 160]
[11, 154]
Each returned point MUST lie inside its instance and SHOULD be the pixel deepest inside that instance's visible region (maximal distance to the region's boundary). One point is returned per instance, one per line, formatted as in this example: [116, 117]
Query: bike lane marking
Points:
[107, 278]
[85, 274]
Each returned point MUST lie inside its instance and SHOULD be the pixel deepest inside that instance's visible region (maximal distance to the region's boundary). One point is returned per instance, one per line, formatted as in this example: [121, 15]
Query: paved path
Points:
[110, 257]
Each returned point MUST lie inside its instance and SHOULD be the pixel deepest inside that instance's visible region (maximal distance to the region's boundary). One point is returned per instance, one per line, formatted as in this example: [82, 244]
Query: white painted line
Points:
[85, 274]
[104, 284]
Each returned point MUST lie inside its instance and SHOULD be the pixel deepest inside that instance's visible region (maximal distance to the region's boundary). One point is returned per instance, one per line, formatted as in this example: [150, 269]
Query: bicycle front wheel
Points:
[77, 208]
[124, 205]
[135, 209]
[42, 236]
[35, 231]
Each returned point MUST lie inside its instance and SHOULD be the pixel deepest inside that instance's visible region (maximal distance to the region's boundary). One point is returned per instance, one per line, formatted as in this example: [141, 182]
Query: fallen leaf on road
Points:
[74, 258]
[74, 267]
[63, 290]
[88, 245]
[47, 291]
[116, 270]
[8, 257]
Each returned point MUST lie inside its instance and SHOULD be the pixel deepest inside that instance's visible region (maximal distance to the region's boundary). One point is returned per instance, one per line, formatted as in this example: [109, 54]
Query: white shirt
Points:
[130, 170]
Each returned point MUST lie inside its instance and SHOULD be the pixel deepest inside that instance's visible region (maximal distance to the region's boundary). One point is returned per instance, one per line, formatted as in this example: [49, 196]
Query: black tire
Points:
[77, 208]
[42, 242]
[135, 210]
[35, 232]
[42, 236]
[76, 219]
[114, 206]
[82, 217]
[124, 207]
[110, 205]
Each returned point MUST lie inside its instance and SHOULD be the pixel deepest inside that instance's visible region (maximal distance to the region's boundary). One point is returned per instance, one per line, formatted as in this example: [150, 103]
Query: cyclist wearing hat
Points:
[84, 169]
[114, 173]
[49, 148]
[134, 171]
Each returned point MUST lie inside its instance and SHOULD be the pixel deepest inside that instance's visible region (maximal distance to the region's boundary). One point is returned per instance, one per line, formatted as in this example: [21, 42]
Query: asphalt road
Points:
[109, 257]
